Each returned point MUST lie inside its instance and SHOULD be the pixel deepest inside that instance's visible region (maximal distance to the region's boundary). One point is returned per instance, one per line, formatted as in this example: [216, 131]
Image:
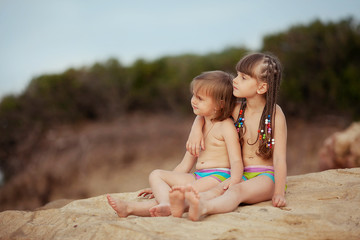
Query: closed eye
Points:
[244, 76]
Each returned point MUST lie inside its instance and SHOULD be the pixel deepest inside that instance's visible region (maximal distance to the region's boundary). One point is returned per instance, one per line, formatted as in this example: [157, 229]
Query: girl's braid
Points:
[270, 74]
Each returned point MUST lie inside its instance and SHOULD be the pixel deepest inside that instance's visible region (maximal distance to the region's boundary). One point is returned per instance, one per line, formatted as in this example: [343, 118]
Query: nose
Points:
[235, 80]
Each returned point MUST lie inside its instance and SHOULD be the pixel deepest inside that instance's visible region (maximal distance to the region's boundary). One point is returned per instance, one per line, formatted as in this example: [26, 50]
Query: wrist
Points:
[235, 180]
[282, 194]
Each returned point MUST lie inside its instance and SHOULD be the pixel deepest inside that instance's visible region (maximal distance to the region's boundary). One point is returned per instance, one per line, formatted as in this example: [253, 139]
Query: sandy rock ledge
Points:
[322, 205]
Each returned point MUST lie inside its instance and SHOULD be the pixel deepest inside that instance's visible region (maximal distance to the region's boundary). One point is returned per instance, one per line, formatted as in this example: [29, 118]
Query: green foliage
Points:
[322, 67]
[9, 103]
[321, 74]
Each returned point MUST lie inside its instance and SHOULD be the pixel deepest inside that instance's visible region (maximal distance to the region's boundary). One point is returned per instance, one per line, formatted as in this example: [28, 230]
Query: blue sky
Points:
[49, 36]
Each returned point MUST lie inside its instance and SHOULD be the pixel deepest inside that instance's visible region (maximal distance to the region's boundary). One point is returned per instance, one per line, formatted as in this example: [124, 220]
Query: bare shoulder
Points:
[280, 116]
[226, 127]
[227, 123]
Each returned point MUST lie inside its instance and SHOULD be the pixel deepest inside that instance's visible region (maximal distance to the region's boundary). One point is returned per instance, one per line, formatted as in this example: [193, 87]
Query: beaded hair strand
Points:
[270, 72]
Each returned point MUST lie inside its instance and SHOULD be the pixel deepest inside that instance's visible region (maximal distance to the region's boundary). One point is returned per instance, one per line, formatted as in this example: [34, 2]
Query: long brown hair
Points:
[218, 85]
[270, 72]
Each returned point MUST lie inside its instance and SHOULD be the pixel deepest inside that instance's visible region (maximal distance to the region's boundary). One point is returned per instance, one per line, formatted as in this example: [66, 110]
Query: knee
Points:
[156, 174]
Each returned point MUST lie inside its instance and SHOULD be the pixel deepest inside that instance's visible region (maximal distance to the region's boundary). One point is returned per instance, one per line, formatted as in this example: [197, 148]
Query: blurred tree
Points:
[322, 67]
[321, 75]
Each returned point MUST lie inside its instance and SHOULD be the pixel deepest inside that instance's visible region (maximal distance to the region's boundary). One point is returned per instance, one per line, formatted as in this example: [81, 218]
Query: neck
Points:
[255, 104]
[208, 120]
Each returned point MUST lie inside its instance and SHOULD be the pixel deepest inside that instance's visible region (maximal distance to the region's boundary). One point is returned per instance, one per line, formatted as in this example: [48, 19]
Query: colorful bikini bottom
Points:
[254, 171]
[220, 174]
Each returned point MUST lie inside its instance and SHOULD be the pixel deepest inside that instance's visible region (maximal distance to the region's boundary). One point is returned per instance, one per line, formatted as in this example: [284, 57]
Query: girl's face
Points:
[244, 85]
[203, 104]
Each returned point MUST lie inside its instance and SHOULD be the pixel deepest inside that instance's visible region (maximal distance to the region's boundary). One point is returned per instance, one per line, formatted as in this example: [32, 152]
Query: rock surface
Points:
[341, 149]
[322, 205]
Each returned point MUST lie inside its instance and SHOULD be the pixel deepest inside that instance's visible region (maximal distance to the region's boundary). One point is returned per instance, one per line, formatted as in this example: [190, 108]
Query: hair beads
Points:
[240, 122]
[270, 141]
[262, 133]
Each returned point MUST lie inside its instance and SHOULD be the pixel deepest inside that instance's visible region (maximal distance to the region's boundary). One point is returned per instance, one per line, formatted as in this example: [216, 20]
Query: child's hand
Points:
[278, 200]
[147, 192]
[195, 149]
[195, 144]
[226, 185]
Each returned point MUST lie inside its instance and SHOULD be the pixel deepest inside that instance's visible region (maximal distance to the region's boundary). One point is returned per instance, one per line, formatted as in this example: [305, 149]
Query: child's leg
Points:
[205, 184]
[213, 192]
[124, 209]
[177, 194]
[254, 190]
[160, 183]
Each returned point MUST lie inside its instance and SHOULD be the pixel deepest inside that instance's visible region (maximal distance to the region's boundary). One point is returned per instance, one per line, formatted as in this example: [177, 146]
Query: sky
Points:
[49, 36]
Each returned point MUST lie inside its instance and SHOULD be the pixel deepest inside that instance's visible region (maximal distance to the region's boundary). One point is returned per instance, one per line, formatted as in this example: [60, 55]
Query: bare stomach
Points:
[213, 158]
[205, 164]
[256, 160]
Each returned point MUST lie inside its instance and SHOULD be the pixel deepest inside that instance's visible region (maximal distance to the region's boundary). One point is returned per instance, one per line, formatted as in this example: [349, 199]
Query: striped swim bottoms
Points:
[254, 171]
[220, 174]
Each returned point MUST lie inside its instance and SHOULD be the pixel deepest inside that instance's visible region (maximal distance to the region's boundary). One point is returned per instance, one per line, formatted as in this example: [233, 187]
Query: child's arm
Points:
[279, 159]
[195, 142]
[186, 164]
[231, 138]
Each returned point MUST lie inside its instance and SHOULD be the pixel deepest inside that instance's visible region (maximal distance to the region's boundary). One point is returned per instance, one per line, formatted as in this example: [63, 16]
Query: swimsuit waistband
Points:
[258, 168]
[214, 169]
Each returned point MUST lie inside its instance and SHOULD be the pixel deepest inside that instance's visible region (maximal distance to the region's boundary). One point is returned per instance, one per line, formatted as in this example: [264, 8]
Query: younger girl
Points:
[212, 100]
[262, 130]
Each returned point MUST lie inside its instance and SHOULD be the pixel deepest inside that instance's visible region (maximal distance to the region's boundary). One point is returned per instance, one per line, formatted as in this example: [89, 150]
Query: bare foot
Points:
[195, 205]
[177, 201]
[119, 206]
[161, 210]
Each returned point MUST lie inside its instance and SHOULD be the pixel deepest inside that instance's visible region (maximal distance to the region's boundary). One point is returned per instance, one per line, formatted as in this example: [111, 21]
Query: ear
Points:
[222, 103]
[262, 88]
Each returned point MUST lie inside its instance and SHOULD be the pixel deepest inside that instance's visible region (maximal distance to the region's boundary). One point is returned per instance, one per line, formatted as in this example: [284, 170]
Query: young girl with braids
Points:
[262, 131]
